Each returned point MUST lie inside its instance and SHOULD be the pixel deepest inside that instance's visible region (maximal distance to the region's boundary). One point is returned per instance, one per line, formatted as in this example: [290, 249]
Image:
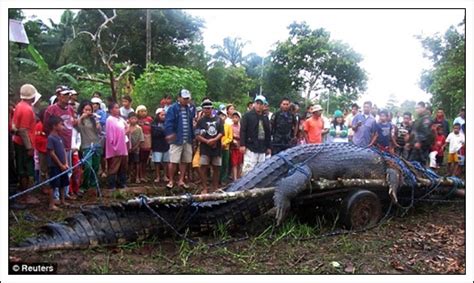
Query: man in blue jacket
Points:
[179, 134]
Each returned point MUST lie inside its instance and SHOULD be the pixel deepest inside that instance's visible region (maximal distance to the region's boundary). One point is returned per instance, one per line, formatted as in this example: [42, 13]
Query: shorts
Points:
[214, 160]
[60, 182]
[24, 163]
[236, 157]
[144, 155]
[133, 157]
[453, 158]
[158, 157]
[197, 159]
[251, 159]
[181, 153]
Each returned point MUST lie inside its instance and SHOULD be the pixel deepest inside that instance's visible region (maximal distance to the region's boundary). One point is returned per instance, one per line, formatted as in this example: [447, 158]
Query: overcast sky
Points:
[393, 57]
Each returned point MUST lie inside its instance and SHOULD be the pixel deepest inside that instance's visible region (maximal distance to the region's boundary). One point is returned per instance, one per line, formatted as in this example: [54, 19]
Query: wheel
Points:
[361, 209]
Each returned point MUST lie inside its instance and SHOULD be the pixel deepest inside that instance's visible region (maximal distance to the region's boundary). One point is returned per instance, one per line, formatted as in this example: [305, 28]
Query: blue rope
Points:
[292, 165]
[83, 160]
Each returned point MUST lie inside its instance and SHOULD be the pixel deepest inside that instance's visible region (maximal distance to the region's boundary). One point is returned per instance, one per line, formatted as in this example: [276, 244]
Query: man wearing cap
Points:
[63, 110]
[209, 131]
[314, 126]
[255, 135]
[363, 126]
[284, 127]
[23, 127]
[73, 100]
[179, 134]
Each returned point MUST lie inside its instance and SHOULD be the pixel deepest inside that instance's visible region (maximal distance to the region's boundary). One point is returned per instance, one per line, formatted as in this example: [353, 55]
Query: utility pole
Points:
[148, 37]
[261, 76]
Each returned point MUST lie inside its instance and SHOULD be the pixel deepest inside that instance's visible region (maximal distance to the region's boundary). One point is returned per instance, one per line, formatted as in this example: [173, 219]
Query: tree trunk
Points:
[113, 86]
[148, 37]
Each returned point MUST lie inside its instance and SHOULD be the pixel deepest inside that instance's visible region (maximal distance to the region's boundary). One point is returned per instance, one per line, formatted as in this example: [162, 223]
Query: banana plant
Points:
[63, 73]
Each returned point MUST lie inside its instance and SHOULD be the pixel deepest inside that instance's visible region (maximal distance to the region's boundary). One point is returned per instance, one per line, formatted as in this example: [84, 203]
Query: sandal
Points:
[169, 186]
[184, 185]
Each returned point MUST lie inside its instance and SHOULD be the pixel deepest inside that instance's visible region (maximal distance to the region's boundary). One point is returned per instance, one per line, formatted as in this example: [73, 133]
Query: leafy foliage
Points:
[228, 84]
[231, 51]
[446, 80]
[315, 63]
[158, 81]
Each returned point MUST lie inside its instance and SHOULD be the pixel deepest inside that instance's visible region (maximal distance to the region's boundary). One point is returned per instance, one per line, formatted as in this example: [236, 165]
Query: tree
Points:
[408, 106]
[315, 63]
[231, 51]
[446, 79]
[158, 81]
[228, 83]
[392, 104]
[107, 56]
[332, 101]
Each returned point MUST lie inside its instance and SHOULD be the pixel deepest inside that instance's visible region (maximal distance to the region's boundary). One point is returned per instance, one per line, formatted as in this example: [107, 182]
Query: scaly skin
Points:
[119, 223]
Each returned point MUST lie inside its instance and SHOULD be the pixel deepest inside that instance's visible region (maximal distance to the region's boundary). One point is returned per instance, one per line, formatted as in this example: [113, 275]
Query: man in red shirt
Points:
[23, 127]
[314, 126]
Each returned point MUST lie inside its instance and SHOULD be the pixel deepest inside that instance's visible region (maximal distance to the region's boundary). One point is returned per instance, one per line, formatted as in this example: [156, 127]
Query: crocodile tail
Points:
[96, 226]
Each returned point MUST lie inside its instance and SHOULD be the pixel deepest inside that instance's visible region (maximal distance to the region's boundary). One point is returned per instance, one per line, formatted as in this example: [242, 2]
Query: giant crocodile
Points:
[289, 172]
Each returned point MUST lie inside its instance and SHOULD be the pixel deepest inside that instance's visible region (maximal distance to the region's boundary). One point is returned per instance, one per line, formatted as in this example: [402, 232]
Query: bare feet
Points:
[54, 208]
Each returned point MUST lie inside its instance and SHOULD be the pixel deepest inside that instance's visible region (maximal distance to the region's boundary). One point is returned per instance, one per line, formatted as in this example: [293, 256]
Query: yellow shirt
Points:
[226, 139]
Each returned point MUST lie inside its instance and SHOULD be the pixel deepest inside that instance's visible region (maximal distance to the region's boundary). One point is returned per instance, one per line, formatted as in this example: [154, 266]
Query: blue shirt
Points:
[364, 133]
[55, 143]
[384, 131]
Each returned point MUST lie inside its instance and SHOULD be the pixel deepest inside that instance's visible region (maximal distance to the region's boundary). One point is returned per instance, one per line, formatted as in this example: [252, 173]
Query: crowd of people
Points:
[190, 141]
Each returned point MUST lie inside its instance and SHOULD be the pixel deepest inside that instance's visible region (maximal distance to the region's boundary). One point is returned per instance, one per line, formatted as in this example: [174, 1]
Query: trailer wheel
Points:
[361, 209]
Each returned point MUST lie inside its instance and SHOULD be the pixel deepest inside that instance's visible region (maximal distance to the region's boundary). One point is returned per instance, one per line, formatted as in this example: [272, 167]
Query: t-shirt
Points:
[402, 133]
[56, 144]
[363, 135]
[136, 136]
[67, 115]
[384, 131]
[24, 118]
[89, 133]
[145, 124]
[124, 112]
[41, 140]
[116, 141]
[208, 128]
[455, 142]
[438, 144]
[184, 118]
[235, 135]
[314, 127]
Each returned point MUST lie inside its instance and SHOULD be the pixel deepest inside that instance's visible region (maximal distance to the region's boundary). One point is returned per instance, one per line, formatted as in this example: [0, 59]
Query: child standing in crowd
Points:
[144, 121]
[159, 145]
[57, 161]
[383, 137]
[126, 107]
[338, 131]
[225, 141]
[437, 149]
[41, 142]
[456, 140]
[236, 157]
[89, 128]
[136, 140]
